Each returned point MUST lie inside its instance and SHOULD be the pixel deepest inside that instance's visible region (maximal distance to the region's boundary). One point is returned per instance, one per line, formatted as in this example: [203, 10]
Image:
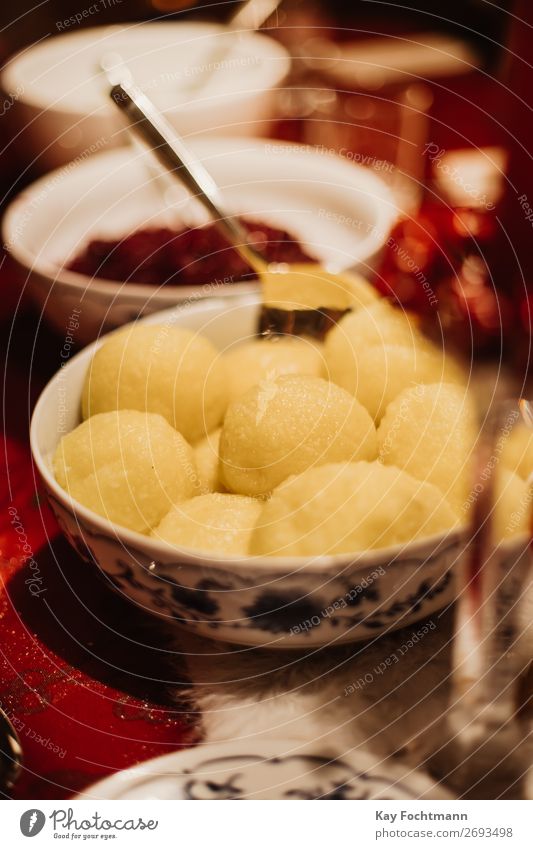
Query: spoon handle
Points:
[249, 17]
[253, 14]
[148, 123]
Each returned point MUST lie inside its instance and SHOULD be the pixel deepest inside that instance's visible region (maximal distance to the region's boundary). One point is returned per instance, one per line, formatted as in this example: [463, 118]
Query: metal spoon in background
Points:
[298, 298]
[249, 17]
[10, 753]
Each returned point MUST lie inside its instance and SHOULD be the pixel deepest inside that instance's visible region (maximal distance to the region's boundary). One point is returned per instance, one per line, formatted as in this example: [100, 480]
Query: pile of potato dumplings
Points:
[281, 446]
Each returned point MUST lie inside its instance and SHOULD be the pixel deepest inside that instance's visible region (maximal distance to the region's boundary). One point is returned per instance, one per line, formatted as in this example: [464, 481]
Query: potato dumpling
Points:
[429, 431]
[216, 523]
[517, 454]
[160, 369]
[343, 508]
[376, 324]
[266, 359]
[512, 499]
[380, 373]
[127, 466]
[282, 427]
[309, 286]
[206, 455]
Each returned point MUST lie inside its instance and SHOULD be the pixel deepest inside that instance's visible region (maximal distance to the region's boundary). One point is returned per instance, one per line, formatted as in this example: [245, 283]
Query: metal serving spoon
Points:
[10, 753]
[249, 17]
[297, 298]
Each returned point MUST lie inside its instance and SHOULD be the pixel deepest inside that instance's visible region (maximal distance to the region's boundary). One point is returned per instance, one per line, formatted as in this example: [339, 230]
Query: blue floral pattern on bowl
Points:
[364, 597]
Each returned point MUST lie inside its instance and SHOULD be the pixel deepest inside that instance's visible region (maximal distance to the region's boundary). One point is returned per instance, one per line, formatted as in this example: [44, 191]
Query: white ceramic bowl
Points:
[342, 213]
[60, 97]
[267, 601]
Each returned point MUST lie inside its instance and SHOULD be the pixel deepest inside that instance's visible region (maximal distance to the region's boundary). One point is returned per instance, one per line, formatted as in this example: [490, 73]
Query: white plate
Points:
[263, 769]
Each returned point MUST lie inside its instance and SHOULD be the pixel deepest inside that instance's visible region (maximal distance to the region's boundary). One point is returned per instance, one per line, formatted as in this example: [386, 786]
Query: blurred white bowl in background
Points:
[61, 97]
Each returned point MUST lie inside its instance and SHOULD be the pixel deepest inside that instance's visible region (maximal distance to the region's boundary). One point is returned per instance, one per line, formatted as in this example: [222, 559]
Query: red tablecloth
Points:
[91, 684]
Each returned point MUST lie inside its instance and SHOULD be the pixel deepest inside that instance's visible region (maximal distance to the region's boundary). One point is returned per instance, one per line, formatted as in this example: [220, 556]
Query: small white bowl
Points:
[342, 214]
[61, 97]
[264, 601]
